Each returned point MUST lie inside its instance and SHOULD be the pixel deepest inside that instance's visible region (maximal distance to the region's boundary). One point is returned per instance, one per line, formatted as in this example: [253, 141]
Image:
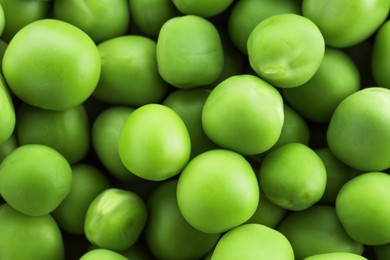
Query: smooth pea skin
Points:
[66, 131]
[101, 253]
[167, 233]
[317, 230]
[252, 242]
[359, 130]
[293, 176]
[188, 104]
[101, 20]
[286, 49]
[7, 116]
[25, 237]
[8, 146]
[154, 143]
[380, 56]
[35, 179]
[189, 52]
[203, 8]
[336, 256]
[129, 73]
[150, 15]
[106, 130]
[58, 69]
[115, 219]
[2, 19]
[243, 113]
[368, 223]
[340, 21]
[317, 99]
[217, 191]
[87, 183]
[245, 15]
[23, 12]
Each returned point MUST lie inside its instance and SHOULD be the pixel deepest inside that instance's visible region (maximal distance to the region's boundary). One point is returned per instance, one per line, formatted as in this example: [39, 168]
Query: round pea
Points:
[188, 104]
[101, 20]
[253, 241]
[318, 98]
[8, 146]
[87, 183]
[245, 15]
[101, 253]
[67, 131]
[154, 142]
[7, 117]
[115, 219]
[167, 233]
[336, 256]
[359, 130]
[243, 113]
[293, 176]
[203, 8]
[2, 19]
[106, 130]
[58, 69]
[363, 207]
[340, 20]
[129, 73]
[35, 179]
[26, 237]
[317, 230]
[217, 191]
[286, 49]
[380, 56]
[189, 52]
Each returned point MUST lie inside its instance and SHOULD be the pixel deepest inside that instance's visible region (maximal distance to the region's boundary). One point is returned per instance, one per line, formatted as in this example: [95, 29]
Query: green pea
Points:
[2, 19]
[317, 230]
[359, 130]
[318, 98]
[336, 256]
[101, 20]
[253, 241]
[129, 74]
[115, 219]
[217, 191]
[150, 15]
[363, 207]
[188, 104]
[25, 237]
[35, 179]
[167, 233]
[340, 20]
[243, 113]
[203, 8]
[380, 56]
[58, 69]
[337, 174]
[189, 52]
[66, 131]
[19, 13]
[286, 49]
[245, 15]
[7, 117]
[154, 142]
[87, 183]
[293, 176]
[8, 146]
[106, 130]
[101, 253]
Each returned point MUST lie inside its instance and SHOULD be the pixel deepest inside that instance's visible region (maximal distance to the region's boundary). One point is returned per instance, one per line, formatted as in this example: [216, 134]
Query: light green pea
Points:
[336, 256]
[7, 116]
[189, 52]
[286, 49]
[380, 56]
[25, 237]
[101, 253]
[204, 8]
[129, 74]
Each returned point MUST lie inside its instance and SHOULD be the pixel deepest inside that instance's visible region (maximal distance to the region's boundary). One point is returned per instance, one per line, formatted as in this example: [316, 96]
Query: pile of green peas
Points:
[183, 129]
